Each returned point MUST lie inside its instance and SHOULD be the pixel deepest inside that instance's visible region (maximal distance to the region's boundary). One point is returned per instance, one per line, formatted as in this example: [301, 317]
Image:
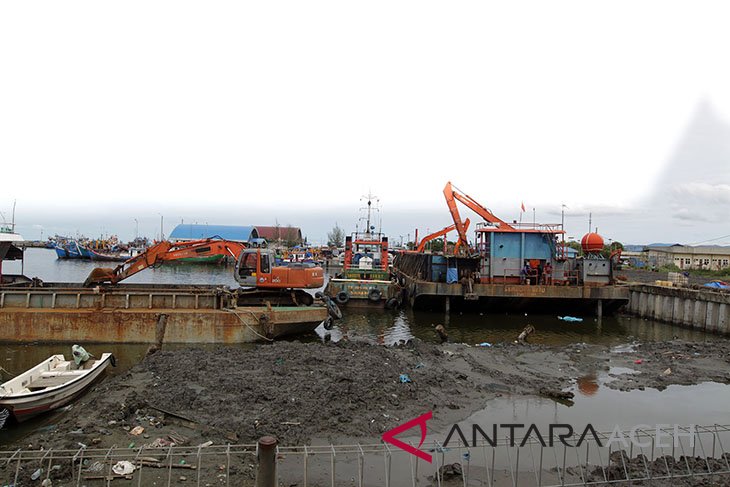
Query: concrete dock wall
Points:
[698, 309]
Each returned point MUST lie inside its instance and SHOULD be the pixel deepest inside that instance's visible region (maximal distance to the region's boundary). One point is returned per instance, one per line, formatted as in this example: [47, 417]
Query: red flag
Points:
[523, 207]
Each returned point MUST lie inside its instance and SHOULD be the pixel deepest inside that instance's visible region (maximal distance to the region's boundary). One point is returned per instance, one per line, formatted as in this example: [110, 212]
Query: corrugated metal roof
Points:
[273, 234]
[686, 249]
[188, 231]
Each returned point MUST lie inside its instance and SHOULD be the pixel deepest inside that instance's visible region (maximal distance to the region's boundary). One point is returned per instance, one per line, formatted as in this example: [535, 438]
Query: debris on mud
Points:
[304, 392]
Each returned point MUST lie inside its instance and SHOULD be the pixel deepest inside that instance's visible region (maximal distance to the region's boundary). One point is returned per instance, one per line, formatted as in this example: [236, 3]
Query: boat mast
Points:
[369, 229]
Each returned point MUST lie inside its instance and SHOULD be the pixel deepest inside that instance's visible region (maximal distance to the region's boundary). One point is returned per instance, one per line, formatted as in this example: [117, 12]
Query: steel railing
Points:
[699, 454]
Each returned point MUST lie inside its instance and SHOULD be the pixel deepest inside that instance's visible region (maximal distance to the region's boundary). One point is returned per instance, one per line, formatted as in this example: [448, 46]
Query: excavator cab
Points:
[250, 266]
[256, 268]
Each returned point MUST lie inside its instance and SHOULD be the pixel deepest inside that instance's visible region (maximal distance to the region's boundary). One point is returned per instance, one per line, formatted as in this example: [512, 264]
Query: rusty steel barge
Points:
[511, 266]
[136, 313]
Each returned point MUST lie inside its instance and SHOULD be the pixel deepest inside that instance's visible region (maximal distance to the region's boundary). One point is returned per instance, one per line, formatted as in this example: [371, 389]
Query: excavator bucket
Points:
[99, 275]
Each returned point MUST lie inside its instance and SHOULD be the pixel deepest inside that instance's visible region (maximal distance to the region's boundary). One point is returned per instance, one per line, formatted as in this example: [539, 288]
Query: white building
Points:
[710, 257]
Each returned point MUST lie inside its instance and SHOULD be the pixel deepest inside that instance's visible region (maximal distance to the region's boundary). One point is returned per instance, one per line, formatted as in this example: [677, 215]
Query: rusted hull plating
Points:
[139, 326]
[132, 315]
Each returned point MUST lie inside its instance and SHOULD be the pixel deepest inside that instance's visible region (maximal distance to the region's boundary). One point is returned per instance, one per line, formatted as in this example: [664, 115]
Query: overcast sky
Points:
[252, 112]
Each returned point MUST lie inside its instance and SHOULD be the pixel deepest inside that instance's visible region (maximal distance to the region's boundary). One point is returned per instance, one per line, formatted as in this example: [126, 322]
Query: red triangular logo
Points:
[389, 436]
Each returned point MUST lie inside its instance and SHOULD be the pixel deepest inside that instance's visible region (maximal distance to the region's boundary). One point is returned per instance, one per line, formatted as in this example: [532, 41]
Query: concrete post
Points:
[688, 308]
[656, 306]
[677, 310]
[723, 319]
[634, 297]
[599, 309]
[266, 476]
[644, 305]
[712, 316]
[699, 315]
[668, 308]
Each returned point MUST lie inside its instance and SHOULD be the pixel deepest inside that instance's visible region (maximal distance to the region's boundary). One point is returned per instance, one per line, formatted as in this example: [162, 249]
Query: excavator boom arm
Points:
[452, 196]
[458, 224]
[162, 252]
[440, 233]
[458, 242]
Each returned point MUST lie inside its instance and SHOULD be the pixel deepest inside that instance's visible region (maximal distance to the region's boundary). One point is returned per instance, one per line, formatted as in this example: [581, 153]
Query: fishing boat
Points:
[71, 249]
[66, 252]
[49, 385]
[365, 277]
[10, 249]
[110, 256]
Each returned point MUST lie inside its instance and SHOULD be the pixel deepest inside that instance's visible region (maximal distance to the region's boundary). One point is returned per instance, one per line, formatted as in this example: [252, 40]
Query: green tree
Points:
[607, 249]
[573, 245]
[336, 238]
[436, 245]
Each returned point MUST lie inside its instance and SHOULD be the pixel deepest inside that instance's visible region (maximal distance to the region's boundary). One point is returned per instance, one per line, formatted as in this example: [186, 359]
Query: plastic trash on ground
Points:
[80, 355]
[570, 318]
[483, 344]
[123, 468]
[404, 378]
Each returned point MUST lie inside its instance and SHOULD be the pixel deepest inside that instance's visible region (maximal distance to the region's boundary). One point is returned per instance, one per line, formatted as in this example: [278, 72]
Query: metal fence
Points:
[699, 457]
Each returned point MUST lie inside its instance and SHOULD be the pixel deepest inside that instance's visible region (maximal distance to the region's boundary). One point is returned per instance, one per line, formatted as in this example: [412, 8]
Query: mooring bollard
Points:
[266, 476]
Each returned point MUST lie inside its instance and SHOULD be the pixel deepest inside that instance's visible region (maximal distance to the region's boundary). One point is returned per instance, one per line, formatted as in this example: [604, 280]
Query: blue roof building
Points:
[570, 252]
[235, 233]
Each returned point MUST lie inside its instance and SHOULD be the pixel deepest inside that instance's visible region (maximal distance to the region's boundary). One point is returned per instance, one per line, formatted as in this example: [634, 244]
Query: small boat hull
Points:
[63, 253]
[108, 257]
[25, 404]
[70, 251]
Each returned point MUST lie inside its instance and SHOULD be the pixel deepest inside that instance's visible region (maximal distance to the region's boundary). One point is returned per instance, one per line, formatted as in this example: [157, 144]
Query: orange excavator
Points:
[422, 244]
[162, 252]
[452, 196]
[256, 270]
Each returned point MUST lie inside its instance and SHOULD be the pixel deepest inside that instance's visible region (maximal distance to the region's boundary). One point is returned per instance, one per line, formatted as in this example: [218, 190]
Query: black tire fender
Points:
[374, 295]
[328, 323]
[342, 297]
[391, 303]
[332, 308]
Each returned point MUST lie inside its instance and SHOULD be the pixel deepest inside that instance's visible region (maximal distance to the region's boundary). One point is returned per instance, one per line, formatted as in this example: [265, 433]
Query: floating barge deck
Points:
[133, 313]
[514, 297]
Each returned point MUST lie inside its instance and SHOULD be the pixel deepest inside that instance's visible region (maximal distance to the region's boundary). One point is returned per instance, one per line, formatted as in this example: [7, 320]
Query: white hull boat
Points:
[49, 385]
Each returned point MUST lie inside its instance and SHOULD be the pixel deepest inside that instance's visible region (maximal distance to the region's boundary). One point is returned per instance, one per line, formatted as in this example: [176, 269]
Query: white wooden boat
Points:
[49, 385]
